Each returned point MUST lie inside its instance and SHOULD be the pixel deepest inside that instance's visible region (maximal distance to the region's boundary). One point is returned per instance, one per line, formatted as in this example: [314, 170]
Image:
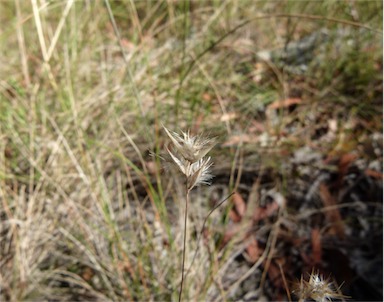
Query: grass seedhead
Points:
[199, 173]
[188, 156]
[317, 288]
[191, 148]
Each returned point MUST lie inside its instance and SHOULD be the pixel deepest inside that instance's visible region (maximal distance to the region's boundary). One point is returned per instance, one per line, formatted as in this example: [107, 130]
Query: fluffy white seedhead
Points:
[188, 155]
[191, 148]
[317, 288]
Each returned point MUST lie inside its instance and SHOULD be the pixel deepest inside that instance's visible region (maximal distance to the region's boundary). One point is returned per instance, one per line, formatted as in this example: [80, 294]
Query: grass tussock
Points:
[85, 86]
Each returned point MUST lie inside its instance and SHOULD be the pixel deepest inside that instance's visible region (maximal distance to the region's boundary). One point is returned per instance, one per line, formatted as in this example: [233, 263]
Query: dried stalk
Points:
[188, 154]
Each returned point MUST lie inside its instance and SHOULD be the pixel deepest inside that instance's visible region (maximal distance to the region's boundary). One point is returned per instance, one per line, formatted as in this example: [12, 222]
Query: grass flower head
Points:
[317, 288]
[188, 154]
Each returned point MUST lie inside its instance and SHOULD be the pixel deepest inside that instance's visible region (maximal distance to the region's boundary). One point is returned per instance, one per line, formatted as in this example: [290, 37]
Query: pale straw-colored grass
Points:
[85, 213]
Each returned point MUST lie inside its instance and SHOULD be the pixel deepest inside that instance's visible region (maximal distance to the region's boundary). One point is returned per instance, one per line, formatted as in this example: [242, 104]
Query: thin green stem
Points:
[186, 7]
[127, 63]
[185, 240]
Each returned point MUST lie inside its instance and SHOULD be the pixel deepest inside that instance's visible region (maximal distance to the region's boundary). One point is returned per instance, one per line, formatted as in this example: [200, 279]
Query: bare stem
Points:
[202, 230]
[185, 240]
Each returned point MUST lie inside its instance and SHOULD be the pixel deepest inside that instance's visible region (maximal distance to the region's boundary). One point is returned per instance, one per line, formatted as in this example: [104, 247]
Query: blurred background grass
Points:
[86, 211]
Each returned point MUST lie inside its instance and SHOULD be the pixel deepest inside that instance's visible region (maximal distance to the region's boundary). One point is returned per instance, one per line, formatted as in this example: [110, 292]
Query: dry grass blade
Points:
[59, 29]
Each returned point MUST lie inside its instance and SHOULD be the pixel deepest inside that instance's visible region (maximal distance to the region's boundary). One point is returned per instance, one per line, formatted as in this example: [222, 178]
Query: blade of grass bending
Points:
[202, 230]
[130, 75]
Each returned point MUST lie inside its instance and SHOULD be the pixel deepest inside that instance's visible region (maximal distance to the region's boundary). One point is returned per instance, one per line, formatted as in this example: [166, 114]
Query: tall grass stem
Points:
[185, 240]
